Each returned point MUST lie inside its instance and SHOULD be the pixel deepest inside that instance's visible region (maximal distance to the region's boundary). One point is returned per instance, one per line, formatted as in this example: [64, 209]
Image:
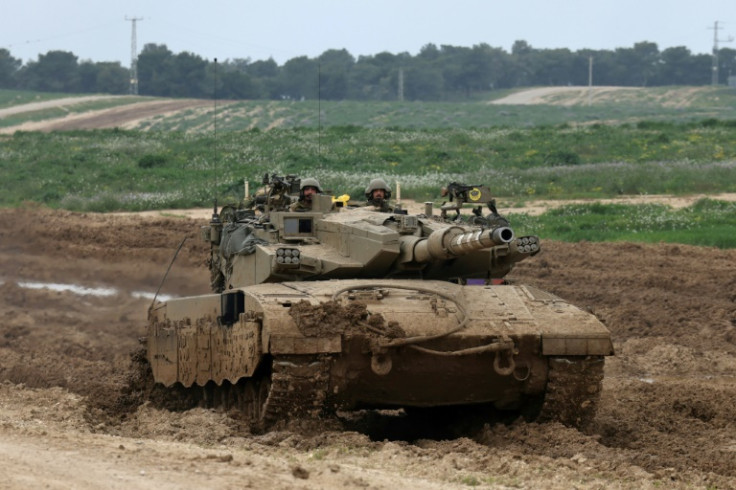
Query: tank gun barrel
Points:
[454, 241]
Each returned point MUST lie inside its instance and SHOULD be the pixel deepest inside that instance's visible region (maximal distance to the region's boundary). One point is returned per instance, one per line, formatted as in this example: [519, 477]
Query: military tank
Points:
[343, 307]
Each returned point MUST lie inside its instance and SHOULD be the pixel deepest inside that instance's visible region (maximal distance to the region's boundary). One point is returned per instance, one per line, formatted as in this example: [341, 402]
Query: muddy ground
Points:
[667, 417]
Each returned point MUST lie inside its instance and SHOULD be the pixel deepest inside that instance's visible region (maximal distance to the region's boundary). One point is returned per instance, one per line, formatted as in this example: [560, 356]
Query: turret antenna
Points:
[214, 145]
[153, 302]
[319, 109]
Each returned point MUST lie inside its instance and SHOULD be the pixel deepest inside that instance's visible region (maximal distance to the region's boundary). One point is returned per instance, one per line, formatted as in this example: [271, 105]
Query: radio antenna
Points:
[319, 109]
[214, 144]
[168, 269]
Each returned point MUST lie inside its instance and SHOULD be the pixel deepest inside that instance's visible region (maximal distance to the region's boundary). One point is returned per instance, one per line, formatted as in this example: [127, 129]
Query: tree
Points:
[55, 71]
[264, 68]
[87, 77]
[726, 64]
[453, 61]
[680, 67]
[375, 77]
[237, 85]
[187, 76]
[299, 78]
[266, 72]
[554, 67]
[9, 67]
[154, 70]
[234, 81]
[467, 70]
[435, 73]
[335, 66]
[112, 78]
[521, 59]
[429, 53]
[521, 48]
[606, 69]
[423, 81]
[637, 65]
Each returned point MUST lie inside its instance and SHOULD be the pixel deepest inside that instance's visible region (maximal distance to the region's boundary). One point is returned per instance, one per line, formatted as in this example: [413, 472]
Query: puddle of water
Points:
[73, 288]
[86, 291]
[147, 295]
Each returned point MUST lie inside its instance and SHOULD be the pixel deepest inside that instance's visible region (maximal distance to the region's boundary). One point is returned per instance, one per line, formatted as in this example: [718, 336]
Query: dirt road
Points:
[124, 116]
[49, 104]
[676, 97]
[533, 208]
[67, 420]
[572, 95]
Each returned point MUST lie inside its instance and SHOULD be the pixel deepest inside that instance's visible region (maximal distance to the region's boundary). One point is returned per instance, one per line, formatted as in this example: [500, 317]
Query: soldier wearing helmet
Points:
[377, 195]
[307, 190]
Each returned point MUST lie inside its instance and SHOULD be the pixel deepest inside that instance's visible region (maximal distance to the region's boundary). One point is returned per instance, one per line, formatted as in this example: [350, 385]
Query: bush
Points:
[561, 157]
[150, 161]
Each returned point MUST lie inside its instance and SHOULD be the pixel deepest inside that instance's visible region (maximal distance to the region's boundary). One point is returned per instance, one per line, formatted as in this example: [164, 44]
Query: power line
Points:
[61, 35]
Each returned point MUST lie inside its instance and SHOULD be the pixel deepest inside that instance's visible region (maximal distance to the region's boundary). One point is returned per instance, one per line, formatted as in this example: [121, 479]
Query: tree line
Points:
[436, 73]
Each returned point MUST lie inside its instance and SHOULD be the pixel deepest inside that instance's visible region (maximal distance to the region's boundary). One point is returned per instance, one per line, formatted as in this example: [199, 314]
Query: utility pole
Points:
[714, 79]
[590, 80]
[133, 56]
[401, 85]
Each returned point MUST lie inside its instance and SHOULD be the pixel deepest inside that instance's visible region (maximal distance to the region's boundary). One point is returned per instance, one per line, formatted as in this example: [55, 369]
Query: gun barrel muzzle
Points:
[453, 242]
[477, 240]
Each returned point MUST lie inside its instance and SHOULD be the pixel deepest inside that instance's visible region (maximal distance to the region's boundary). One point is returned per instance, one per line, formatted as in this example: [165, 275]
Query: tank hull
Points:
[314, 347]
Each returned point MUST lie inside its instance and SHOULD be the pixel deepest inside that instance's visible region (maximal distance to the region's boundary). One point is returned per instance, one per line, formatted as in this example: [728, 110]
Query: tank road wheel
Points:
[254, 397]
[231, 397]
[573, 390]
[250, 394]
[208, 395]
[264, 390]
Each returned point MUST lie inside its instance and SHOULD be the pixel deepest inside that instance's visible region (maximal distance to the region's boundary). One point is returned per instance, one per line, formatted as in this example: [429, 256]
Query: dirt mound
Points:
[665, 421]
[677, 97]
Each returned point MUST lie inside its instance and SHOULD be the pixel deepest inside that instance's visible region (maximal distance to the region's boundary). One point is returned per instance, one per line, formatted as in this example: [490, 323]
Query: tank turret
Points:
[326, 243]
[337, 307]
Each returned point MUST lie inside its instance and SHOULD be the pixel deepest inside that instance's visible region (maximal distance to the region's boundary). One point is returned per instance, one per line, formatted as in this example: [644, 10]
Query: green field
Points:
[671, 152]
[659, 104]
[707, 223]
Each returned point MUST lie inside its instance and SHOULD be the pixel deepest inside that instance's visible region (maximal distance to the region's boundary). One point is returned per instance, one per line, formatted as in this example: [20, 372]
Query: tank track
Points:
[291, 387]
[299, 386]
[573, 390]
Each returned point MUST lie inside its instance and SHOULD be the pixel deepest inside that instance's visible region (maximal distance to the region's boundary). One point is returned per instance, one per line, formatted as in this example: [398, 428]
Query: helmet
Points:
[377, 184]
[310, 182]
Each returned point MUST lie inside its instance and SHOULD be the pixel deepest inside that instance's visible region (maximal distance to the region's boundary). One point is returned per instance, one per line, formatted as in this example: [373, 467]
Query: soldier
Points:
[308, 189]
[377, 195]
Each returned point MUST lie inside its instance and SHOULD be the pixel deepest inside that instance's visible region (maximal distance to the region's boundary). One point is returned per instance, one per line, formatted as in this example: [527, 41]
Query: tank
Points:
[343, 307]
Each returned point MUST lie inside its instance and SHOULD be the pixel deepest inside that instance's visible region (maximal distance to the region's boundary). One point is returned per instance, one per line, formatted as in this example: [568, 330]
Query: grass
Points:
[108, 170]
[707, 223]
[247, 115]
[654, 105]
[9, 98]
[181, 162]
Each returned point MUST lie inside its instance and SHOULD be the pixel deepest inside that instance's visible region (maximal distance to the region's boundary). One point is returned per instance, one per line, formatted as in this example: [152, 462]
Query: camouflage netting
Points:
[238, 239]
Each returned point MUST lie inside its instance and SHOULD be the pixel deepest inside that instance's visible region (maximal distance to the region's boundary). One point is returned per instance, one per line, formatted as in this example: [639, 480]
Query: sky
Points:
[97, 30]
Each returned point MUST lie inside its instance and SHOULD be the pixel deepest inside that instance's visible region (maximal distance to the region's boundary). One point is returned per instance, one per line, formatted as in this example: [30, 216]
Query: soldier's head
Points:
[377, 191]
[309, 187]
